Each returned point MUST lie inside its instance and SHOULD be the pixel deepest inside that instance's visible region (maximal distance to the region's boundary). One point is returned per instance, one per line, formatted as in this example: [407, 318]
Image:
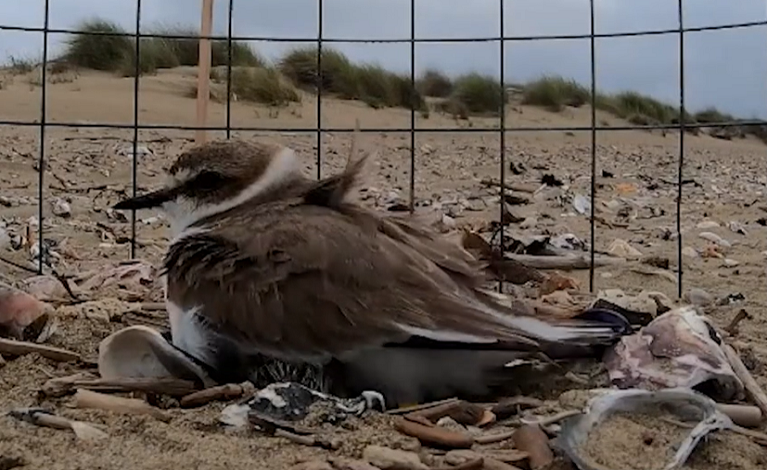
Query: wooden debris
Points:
[742, 415]
[493, 438]
[93, 400]
[530, 438]
[513, 405]
[549, 420]
[732, 328]
[423, 406]
[40, 417]
[565, 263]
[308, 440]
[61, 386]
[508, 455]
[461, 411]
[434, 435]
[19, 348]
[222, 392]
[753, 389]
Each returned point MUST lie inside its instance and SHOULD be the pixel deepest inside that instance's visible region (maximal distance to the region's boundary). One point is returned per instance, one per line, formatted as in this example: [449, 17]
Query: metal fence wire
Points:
[504, 126]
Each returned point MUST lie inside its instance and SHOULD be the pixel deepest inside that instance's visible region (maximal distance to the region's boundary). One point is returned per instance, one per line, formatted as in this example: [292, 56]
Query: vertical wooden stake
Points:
[203, 70]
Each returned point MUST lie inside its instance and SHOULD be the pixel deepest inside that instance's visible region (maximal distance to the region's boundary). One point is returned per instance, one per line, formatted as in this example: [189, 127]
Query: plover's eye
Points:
[208, 180]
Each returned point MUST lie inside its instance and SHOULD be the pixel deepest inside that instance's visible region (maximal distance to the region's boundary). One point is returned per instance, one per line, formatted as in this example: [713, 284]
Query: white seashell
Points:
[142, 352]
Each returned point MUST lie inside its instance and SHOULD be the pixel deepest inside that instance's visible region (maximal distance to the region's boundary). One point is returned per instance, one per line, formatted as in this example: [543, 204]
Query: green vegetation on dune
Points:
[104, 51]
[254, 80]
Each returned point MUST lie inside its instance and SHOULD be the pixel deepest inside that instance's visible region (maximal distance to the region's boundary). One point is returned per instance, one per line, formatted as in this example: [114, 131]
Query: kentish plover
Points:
[266, 262]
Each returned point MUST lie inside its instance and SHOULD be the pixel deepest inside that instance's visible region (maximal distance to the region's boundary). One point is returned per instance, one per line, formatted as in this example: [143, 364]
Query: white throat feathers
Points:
[183, 212]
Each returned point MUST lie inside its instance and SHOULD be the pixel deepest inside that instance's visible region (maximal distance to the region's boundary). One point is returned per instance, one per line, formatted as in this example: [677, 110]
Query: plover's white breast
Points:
[187, 333]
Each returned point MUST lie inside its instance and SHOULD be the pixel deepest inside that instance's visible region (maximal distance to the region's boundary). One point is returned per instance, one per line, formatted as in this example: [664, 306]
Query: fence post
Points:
[203, 70]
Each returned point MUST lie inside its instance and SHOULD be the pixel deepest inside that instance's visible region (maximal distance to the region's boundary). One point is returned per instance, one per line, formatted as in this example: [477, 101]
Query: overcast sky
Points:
[726, 69]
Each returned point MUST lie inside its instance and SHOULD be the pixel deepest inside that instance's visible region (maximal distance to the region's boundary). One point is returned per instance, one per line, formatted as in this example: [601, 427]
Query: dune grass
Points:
[554, 93]
[435, 84]
[263, 85]
[371, 83]
[254, 80]
[480, 94]
[118, 53]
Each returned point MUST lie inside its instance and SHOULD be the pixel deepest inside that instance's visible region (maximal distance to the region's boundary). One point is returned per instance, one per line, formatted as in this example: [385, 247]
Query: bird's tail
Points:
[564, 335]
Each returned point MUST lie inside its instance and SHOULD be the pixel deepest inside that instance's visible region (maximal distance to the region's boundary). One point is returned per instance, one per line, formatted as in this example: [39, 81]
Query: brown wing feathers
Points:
[317, 287]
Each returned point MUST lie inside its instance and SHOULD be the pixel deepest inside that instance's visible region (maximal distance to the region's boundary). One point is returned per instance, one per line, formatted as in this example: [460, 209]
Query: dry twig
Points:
[424, 406]
[732, 328]
[752, 388]
[565, 263]
[220, 392]
[64, 385]
[19, 348]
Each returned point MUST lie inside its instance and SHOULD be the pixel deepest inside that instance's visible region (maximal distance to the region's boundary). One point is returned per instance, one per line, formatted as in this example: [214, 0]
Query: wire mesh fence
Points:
[506, 127]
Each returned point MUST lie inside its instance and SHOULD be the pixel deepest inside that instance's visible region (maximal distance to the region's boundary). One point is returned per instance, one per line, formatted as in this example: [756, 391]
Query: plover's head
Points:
[217, 176]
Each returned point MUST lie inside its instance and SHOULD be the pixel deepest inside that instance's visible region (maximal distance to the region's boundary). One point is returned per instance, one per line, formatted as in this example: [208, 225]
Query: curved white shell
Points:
[142, 352]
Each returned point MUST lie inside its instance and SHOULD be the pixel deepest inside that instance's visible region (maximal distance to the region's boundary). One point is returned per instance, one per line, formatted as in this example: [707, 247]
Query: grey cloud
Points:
[726, 69]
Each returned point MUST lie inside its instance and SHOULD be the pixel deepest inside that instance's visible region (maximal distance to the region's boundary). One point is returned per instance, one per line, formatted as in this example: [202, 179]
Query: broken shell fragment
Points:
[678, 405]
[20, 311]
[678, 349]
[141, 352]
[290, 401]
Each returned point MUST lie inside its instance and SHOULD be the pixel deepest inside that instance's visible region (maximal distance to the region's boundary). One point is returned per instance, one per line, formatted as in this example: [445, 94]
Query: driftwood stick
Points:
[424, 406]
[742, 415]
[295, 438]
[172, 387]
[512, 405]
[434, 435]
[19, 348]
[461, 411]
[565, 263]
[753, 389]
[40, 417]
[732, 327]
[94, 400]
[220, 392]
[493, 438]
[549, 420]
[60, 386]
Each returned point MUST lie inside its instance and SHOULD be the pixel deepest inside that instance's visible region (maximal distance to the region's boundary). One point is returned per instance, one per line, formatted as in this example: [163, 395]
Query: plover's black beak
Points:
[147, 201]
